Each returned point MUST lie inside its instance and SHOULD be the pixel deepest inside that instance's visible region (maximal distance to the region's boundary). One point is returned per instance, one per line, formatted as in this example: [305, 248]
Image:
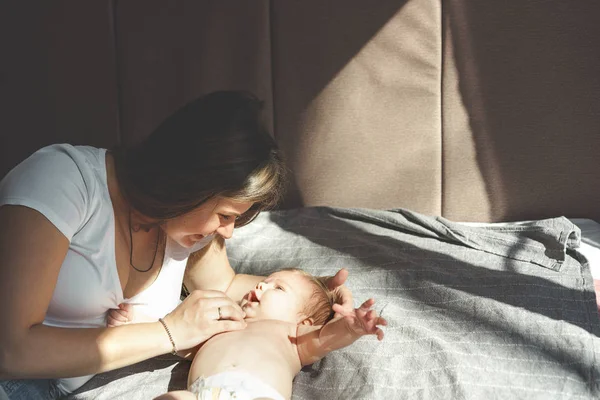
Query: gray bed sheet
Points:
[503, 312]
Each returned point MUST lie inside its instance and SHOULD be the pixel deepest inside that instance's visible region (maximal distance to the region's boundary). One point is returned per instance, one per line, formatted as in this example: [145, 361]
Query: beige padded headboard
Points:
[479, 111]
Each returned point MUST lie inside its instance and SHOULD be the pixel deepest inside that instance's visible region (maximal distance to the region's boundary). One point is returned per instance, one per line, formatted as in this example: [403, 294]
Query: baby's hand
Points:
[362, 321]
[125, 314]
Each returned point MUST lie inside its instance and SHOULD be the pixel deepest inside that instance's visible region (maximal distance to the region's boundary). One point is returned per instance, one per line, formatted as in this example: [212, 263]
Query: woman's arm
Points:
[33, 250]
[209, 269]
[32, 253]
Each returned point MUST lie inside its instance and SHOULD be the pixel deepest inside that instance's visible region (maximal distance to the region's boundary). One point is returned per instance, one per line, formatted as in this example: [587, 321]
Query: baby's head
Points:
[290, 295]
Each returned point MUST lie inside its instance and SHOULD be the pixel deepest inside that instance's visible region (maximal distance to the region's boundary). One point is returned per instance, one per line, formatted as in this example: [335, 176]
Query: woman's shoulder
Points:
[57, 161]
[61, 181]
[77, 154]
[58, 167]
[63, 155]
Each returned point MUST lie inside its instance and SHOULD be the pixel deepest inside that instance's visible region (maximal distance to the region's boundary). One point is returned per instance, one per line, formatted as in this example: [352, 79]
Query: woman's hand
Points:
[342, 295]
[203, 314]
[126, 314]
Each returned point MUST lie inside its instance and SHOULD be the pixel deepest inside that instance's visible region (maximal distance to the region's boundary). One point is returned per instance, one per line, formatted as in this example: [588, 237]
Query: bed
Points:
[475, 310]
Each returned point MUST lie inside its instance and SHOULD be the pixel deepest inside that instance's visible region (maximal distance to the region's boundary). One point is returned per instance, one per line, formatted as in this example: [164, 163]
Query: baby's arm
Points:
[315, 342]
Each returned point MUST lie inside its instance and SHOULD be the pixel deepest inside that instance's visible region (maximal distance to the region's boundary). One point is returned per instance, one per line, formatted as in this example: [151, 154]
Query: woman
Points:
[85, 230]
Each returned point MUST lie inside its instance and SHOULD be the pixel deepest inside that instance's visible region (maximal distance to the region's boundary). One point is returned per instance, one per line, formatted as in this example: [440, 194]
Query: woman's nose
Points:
[226, 230]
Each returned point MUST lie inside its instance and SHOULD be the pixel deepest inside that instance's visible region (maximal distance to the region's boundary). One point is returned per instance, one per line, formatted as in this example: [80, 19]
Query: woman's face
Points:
[216, 216]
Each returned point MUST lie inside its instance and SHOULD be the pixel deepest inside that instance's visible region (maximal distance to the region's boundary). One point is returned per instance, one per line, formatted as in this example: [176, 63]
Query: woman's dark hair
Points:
[216, 145]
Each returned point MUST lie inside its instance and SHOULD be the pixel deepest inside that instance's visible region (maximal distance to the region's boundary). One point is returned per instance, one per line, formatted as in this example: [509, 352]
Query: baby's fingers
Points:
[116, 317]
[119, 315]
[371, 315]
[112, 322]
[378, 331]
[367, 305]
[126, 308]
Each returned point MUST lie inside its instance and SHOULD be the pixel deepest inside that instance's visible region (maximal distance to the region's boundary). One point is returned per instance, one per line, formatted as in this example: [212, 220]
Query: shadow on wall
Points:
[314, 42]
[529, 80]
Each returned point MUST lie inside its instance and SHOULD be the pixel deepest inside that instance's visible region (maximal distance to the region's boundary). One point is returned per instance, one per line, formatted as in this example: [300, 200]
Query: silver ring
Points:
[219, 310]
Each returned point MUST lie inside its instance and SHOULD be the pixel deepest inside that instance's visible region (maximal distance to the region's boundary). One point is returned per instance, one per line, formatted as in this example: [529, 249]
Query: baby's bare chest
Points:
[263, 342]
[257, 335]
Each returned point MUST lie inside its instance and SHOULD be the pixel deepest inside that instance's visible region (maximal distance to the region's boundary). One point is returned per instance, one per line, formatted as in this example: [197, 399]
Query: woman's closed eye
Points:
[228, 217]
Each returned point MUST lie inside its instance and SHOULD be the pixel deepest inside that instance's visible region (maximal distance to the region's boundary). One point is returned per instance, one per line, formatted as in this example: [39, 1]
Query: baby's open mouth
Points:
[251, 296]
[250, 299]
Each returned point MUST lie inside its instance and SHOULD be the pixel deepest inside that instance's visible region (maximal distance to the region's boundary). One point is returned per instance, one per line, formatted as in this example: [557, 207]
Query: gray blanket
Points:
[502, 312]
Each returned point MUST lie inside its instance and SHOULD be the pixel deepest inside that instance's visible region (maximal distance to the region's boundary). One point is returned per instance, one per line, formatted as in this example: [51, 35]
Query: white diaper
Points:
[231, 385]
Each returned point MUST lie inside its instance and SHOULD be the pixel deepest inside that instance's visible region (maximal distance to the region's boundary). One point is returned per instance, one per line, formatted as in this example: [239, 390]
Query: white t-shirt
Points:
[67, 184]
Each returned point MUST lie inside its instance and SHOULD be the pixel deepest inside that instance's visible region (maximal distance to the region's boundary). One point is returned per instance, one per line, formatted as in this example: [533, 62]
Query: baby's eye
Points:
[278, 287]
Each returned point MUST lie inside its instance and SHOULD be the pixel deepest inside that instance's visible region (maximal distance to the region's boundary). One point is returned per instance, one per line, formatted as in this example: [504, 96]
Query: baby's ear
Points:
[307, 321]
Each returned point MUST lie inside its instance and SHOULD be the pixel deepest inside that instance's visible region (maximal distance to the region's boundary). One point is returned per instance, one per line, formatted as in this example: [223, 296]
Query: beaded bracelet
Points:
[174, 351]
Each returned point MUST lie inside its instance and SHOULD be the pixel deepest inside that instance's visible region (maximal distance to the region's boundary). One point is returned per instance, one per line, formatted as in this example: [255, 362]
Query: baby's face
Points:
[280, 296]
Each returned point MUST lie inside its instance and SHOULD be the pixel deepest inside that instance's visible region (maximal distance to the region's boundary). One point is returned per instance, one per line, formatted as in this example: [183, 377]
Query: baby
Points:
[287, 328]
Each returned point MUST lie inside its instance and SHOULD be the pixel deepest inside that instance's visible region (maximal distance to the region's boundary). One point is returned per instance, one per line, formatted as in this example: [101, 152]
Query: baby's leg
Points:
[177, 395]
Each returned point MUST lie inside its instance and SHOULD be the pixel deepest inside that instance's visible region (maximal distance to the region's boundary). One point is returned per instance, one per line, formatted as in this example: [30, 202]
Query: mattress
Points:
[491, 311]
